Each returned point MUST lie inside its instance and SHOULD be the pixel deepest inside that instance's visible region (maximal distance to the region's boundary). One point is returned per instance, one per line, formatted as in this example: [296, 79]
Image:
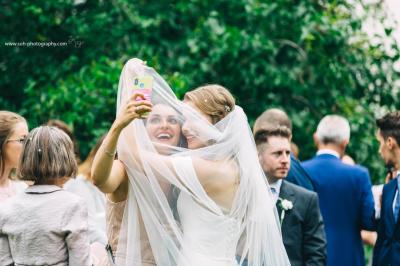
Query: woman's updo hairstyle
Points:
[213, 100]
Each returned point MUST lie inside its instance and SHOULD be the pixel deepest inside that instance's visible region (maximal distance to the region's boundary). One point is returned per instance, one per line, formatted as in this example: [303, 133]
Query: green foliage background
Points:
[308, 57]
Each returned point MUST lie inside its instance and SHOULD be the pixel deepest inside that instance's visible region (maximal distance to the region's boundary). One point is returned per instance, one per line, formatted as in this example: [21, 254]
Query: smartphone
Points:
[144, 84]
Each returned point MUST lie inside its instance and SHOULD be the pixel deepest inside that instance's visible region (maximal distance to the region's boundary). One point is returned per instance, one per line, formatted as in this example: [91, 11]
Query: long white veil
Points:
[169, 216]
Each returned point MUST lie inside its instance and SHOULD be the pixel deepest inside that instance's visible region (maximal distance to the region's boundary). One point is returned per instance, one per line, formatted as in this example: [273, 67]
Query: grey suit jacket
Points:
[302, 227]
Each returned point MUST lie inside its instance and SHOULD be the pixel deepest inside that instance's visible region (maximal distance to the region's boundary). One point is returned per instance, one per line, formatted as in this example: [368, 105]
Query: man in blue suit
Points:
[387, 247]
[344, 193]
[272, 118]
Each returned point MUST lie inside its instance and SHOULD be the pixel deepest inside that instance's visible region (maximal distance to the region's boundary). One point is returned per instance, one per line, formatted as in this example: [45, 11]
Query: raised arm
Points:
[108, 173]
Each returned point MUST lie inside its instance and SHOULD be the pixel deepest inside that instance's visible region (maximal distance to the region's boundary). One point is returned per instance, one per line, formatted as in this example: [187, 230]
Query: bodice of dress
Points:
[208, 238]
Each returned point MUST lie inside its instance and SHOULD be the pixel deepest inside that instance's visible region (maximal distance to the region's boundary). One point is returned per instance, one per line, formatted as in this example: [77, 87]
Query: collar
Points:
[328, 151]
[277, 185]
[42, 189]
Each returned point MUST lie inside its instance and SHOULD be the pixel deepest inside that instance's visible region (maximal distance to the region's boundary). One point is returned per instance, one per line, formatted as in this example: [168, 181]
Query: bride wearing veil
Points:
[205, 202]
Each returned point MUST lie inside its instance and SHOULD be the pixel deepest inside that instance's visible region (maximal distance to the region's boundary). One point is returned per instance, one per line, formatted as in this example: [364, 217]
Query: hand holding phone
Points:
[144, 85]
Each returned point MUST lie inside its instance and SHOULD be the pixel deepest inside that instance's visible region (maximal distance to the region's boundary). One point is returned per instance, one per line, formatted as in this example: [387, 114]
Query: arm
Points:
[107, 173]
[380, 231]
[314, 246]
[75, 226]
[367, 215]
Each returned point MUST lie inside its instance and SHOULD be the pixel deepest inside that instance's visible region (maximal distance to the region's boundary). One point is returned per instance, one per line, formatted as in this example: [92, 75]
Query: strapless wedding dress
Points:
[208, 238]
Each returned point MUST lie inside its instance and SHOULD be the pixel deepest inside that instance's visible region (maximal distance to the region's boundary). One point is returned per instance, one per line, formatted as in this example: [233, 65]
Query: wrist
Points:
[116, 127]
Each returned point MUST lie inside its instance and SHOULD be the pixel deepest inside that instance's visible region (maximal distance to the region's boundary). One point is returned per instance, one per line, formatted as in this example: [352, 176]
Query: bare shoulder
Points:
[218, 172]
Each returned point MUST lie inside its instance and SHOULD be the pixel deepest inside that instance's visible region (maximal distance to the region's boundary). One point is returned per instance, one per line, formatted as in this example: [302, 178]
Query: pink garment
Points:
[114, 215]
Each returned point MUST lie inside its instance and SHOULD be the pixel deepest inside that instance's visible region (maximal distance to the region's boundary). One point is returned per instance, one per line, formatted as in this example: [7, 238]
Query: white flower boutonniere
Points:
[286, 205]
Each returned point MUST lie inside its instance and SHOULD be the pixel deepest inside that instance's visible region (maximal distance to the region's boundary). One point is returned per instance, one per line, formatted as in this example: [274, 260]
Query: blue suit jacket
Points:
[298, 176]
[347, 206]
[387, 247]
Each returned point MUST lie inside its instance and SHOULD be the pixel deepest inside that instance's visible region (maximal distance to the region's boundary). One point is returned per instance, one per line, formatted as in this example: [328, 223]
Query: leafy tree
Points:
[308, 57]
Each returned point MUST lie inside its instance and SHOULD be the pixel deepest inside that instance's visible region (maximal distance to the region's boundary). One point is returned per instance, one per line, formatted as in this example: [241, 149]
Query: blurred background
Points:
[62, 60]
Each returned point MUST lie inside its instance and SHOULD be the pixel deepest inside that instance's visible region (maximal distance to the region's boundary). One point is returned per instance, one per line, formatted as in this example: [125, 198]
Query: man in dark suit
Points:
[302, 227]
[344, 193]
[275, 117]
[387, 247]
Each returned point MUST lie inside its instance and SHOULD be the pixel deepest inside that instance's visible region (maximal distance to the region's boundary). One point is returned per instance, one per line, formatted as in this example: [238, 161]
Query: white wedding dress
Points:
[208, 238]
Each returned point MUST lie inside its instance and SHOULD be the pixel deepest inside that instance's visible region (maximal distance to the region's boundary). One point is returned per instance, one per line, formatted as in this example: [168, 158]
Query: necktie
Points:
[397, 203]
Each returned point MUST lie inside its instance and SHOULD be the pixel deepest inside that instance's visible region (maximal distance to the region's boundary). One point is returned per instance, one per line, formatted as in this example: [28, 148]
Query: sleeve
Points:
[314, 248]
[77, 239]
[5, 253]
[297, 175]
[95, 231]
[367, 215]
[380, 231]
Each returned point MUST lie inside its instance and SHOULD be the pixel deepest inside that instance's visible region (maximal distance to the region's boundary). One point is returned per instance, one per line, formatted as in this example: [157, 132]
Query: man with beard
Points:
[387, 248]
[302, 227]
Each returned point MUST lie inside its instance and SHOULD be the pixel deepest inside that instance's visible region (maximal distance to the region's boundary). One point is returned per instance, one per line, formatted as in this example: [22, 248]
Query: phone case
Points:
[144, 84]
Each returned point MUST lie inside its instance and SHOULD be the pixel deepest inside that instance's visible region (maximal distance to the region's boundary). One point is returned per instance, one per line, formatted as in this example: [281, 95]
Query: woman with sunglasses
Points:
[13, 130]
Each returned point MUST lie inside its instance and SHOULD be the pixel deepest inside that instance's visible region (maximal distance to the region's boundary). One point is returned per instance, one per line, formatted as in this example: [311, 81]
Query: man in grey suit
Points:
[302, 227]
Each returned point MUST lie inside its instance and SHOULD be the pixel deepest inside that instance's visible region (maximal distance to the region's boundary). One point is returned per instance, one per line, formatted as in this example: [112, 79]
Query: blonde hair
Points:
[8, 121]
[213, 100]
[48, 154]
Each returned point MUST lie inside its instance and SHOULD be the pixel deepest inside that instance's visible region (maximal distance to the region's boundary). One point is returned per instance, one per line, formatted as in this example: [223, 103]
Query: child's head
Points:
[48, 155]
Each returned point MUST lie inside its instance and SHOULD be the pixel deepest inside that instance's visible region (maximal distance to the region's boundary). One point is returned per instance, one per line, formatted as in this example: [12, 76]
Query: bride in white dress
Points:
[206, 202]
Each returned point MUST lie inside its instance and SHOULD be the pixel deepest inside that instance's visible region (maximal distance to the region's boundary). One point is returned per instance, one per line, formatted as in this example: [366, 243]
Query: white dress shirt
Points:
[328, 151]
[276, 186]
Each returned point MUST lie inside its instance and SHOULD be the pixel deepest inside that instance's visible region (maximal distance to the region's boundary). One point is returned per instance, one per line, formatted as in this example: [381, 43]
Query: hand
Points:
[134, 108]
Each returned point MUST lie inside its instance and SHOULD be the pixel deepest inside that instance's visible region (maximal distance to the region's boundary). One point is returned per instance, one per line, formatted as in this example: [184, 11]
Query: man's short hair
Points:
[272, 118]
[263, 135]
[333, 129]
[389, 126]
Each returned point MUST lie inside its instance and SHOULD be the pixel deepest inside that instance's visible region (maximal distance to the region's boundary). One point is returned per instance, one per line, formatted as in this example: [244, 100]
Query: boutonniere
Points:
[285, 205]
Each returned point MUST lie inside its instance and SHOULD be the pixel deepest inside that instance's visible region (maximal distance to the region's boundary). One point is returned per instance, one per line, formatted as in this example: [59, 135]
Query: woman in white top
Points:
[13, 130]
[95, 199]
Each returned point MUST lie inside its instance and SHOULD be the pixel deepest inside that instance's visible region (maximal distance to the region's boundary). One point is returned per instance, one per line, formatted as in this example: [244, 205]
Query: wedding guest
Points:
[387, 248]
[45, 225]
[162, 121]
[302, 226]
[13, 130]
[344, 193]
[272, 118]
